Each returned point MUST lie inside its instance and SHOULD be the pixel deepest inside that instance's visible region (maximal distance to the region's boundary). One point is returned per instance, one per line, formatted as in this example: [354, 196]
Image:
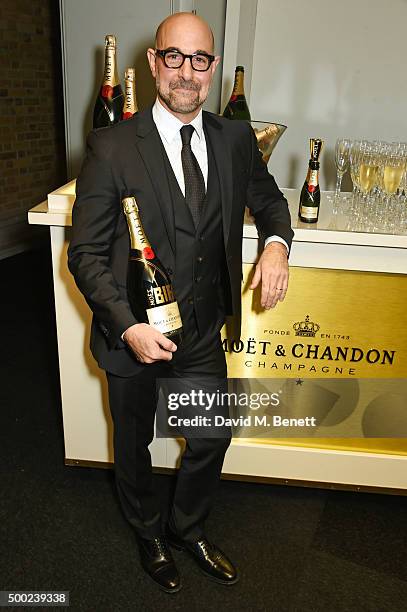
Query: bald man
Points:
[192, 174]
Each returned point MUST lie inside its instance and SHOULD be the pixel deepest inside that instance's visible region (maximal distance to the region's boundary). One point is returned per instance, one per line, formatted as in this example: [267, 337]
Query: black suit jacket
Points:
[126, 160]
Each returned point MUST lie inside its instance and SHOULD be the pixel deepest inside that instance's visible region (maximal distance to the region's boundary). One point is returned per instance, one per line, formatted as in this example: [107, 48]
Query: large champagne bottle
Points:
[109, 103]
[130, 101]
[149, 289]
[310, 197]
[237, 107]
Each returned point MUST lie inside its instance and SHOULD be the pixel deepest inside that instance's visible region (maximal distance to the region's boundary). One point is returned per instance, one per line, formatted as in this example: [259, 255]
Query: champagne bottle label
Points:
[165, 318]
[309, 212]
[312, 180]
[130, 102]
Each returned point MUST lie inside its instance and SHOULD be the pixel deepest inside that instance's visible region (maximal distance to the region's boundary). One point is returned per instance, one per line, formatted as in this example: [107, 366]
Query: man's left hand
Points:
[272, 271]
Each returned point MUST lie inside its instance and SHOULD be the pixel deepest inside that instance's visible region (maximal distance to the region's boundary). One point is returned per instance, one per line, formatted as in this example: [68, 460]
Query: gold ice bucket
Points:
[268, 135]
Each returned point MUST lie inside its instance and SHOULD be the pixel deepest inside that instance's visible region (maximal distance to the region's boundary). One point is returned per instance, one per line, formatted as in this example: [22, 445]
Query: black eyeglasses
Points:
[174, 59]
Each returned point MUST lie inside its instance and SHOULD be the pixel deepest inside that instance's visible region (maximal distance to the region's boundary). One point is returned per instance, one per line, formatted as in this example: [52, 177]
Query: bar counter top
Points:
[326, 244]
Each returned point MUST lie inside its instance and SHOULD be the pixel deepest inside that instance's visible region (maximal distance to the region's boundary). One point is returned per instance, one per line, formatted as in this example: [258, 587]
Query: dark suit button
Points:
[170, 270]
[198, 279]
[199, 259]
[190, 300]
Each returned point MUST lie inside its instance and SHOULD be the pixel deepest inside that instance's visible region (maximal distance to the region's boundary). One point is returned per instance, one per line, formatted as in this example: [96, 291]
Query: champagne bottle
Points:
[130, 102]
[237, 107]
[310, 197]
[149, 289]
[109, 103]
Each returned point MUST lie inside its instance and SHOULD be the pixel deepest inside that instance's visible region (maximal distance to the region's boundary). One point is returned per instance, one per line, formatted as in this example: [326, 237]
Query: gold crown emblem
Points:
[306, 328]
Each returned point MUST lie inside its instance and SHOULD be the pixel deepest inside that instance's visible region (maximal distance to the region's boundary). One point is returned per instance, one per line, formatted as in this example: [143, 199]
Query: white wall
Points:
[214, 11]
[327, 69]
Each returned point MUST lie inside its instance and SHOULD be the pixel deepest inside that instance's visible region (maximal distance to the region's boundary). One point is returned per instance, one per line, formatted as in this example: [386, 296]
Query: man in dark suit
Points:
[192, 174]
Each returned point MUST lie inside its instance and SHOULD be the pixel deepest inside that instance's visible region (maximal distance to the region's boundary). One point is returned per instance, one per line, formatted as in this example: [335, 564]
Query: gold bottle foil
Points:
[315, 145]
[110, 40]
[138, 239]
[130, 102]
[111, 77]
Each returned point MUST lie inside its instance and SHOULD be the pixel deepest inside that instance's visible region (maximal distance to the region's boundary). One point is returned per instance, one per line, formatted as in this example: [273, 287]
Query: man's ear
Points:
[151, 61]
[215, 63]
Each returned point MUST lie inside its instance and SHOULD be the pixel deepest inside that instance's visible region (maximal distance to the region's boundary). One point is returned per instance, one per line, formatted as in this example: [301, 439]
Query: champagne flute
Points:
[393, 170]
[342, 148]
[367, 179]
[403, 194]
[382, 153]
[354, 155]
[403, 202]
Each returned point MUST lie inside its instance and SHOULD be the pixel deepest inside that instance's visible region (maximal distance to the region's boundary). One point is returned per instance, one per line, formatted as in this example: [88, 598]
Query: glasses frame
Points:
[162, 53]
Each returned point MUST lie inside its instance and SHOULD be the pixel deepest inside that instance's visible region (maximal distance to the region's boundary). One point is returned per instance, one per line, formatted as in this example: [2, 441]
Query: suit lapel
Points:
[149, 146]
[223, 159]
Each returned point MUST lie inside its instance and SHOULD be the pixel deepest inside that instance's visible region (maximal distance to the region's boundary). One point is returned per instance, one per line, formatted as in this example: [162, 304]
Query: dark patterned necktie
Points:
[194, 180]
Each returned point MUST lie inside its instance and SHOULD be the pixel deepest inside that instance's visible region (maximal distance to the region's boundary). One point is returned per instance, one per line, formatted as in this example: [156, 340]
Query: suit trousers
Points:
[133, 402]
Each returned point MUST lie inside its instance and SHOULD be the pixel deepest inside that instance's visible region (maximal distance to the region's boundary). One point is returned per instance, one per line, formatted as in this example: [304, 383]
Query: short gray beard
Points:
[177, 105]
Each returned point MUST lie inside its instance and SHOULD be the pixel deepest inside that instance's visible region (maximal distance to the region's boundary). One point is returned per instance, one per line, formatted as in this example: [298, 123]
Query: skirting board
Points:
[259, 479]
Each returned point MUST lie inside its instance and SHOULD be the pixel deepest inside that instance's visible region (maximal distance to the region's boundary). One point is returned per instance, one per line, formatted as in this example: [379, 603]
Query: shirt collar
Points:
[169, 126]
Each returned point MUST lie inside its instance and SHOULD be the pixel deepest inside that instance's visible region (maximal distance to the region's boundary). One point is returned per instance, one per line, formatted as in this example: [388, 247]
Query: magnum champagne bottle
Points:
[130, 102]
[149, 289]
[310, 194]
[237, 107]
[109, 103]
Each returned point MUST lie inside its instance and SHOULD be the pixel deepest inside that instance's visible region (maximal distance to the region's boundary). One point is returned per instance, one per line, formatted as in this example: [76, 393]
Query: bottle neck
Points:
[312, 179]
[238, 87]
[110, 77]
[130, 102]
[138, 239]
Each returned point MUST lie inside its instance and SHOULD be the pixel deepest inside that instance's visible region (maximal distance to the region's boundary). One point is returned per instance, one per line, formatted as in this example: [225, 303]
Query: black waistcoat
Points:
[199, 253]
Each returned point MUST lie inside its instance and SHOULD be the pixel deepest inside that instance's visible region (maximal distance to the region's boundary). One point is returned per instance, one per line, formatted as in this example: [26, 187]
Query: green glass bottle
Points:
[109, 103]
[310, 197]
[237, 107]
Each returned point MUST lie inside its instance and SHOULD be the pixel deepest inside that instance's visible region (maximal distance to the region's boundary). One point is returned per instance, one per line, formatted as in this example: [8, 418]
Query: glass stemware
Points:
[393, 170]
[368, 168]
[378, 171]
[354, 161]
[342, 148]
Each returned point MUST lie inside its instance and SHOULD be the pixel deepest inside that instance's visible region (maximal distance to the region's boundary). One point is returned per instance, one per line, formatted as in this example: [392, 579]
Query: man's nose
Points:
[186, 70]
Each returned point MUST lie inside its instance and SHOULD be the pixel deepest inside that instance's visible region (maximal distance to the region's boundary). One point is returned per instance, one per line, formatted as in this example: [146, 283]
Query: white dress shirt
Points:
[168, 127]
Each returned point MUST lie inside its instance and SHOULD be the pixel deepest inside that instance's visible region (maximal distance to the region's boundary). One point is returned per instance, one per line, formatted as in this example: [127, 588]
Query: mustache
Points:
[183, 84]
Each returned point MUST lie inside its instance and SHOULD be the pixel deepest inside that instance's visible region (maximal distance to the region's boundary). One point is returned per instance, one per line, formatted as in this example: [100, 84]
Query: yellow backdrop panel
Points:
[332, 324]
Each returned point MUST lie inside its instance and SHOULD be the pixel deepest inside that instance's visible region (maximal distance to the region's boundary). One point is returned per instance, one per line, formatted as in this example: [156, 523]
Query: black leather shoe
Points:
[210, 559]
[156, 559]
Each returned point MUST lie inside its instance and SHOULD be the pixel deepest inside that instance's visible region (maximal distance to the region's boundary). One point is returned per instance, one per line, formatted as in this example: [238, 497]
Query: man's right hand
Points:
[148, 344]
